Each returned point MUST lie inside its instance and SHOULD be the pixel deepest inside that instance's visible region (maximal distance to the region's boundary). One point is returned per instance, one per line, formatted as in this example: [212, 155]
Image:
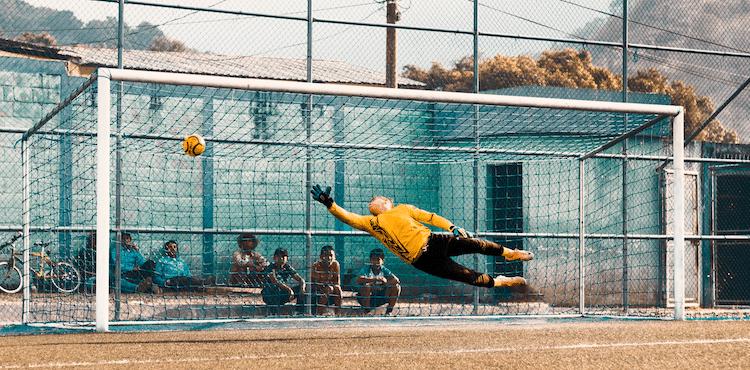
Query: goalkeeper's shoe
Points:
[517, 255]
[505, 281]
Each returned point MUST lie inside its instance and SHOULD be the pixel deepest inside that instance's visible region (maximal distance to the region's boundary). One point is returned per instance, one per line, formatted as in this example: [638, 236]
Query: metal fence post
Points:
[625, 265]
[102, 199]
[581, 237]
[118, 156]
[678, 138]
[25, 158]
[307, 113]
[475, 309]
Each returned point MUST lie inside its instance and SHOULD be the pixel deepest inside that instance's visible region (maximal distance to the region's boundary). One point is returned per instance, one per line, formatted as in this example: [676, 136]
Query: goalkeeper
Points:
[401, 229]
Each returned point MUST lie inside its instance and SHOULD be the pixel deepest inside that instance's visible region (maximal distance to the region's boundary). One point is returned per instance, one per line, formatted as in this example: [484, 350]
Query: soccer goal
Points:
[580, 183]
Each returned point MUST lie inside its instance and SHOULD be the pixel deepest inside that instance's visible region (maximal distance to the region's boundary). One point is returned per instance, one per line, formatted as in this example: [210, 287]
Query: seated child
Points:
[278, 289]
[247, 264]
[326, 279]
[172, 272]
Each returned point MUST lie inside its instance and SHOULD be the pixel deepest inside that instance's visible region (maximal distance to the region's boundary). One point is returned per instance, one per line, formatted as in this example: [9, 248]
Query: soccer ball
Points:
[194, 145]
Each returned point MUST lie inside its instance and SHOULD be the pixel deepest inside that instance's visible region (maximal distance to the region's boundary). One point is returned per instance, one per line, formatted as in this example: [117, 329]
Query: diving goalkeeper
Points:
[401, 229]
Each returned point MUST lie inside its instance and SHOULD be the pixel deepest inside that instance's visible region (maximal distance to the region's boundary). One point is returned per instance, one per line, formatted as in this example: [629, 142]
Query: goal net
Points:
[581, 184]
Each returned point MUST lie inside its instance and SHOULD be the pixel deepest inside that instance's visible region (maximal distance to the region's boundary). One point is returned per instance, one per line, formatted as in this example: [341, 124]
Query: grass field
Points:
[429, 344]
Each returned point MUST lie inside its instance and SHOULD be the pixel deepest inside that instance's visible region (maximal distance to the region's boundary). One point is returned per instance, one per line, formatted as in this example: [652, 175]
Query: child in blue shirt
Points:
[136, 271]
[172, 272]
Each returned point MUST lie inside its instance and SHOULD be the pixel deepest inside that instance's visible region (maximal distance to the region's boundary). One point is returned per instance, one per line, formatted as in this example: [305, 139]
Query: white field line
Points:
[374, 353]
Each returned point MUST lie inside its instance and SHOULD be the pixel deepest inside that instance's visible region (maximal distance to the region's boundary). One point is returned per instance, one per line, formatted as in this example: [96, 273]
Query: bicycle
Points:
[63, 275]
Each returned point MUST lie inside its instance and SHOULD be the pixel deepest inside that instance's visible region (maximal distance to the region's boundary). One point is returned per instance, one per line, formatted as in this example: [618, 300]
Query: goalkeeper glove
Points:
[322, 196]
[459, 232]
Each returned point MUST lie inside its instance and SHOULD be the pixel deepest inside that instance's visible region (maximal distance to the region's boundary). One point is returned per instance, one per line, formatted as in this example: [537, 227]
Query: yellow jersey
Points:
[400, 229]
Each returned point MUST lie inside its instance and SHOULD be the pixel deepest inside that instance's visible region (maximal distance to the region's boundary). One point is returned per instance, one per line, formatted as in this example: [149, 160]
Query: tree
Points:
[163, 43]
[697, 108]
[573, 69]
[43, 39]
[564, 68]
[67, 29]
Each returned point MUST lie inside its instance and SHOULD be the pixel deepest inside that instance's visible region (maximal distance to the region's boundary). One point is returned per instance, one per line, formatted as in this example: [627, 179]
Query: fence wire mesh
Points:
[695, 55]
[251, 186]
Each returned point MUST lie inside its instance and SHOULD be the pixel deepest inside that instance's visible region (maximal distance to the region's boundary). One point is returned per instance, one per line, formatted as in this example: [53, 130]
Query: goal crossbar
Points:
[381, 92]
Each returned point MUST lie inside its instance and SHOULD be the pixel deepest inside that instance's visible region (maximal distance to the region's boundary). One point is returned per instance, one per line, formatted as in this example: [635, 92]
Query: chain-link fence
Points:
[694, 52]
[694, 55]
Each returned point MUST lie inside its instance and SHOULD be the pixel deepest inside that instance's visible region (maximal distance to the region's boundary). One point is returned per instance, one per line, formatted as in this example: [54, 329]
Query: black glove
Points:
[459, 232]
[322, 196]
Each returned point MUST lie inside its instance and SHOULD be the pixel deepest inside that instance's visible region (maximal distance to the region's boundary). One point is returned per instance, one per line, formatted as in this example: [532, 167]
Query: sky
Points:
[364, 46]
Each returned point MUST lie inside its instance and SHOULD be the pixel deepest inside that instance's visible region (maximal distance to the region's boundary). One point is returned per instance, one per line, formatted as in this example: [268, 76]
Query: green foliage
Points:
[572, 69]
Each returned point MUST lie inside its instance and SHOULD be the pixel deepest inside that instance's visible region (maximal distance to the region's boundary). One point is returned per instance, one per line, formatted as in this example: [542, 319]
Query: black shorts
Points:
[436, 259]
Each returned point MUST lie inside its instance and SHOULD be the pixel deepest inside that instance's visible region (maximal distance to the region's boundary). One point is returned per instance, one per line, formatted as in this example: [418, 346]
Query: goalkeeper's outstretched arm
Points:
[430, 218]
[438, 221]
[350, 218]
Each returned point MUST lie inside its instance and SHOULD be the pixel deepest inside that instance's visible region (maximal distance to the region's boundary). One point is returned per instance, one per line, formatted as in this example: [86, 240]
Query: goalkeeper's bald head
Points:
[380, 204]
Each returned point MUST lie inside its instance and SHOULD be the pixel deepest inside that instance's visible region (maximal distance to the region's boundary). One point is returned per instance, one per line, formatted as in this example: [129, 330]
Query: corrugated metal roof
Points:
[231, 65]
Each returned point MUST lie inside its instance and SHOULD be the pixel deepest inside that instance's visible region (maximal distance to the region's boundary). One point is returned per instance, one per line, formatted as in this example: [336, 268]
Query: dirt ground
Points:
[509, 344]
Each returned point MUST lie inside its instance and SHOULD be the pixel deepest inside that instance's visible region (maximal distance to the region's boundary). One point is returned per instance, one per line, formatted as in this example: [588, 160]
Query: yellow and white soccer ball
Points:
[194, 145]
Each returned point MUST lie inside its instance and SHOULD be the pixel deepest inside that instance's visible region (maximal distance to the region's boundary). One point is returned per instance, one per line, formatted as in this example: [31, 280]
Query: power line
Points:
[644, 55]
[151, 27]
[295, 44]
[283, 47]
[654, 27]
[529, 20]
[171, 22]
[653, 58]
[176, 23]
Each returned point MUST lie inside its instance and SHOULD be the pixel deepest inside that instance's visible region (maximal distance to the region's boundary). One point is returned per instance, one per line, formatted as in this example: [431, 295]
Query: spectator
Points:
[172, 272]
[247, 264]
[85, 260]
[278, 290]
[326, 279]
[136, 271]
[377, 284]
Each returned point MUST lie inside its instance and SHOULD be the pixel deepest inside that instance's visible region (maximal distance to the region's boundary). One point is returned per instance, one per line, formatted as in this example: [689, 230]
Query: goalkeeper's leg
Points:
[447, 268]
[461, 246]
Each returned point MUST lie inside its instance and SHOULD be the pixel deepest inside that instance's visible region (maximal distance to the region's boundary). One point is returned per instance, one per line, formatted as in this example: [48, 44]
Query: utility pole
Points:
[393, 16]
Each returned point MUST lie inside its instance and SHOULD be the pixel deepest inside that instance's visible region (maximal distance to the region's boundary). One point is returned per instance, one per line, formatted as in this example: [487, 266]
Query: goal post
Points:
[678, 140]
[542, 170]
[103, 165]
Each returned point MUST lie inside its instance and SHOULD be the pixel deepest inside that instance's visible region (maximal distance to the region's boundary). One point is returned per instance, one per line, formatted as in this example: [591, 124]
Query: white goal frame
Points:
[103, 161]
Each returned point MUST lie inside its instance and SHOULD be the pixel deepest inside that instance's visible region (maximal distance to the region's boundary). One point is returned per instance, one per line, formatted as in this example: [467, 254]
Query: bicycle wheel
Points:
[65, 277]
[10, 278]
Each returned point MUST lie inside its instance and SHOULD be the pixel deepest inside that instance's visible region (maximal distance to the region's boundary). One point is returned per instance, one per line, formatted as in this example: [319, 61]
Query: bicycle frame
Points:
[43, 259]
[46, 266]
